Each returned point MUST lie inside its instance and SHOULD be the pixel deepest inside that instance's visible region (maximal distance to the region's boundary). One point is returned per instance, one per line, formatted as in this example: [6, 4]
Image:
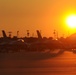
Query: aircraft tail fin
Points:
[39, 34]
[4, 34]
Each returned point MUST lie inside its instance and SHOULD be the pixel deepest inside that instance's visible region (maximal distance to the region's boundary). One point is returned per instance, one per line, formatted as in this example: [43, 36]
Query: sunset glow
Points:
[32, 15]
[71, 21]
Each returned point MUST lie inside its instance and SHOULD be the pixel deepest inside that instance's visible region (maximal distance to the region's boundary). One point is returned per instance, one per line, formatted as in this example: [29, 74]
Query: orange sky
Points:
[44, 15]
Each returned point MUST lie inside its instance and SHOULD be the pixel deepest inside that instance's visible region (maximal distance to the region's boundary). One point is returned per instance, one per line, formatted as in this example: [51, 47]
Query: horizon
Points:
[17, 34]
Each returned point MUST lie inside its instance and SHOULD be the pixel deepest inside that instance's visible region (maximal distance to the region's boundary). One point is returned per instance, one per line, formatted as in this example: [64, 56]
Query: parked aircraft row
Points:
[28, 44]
[8, 44]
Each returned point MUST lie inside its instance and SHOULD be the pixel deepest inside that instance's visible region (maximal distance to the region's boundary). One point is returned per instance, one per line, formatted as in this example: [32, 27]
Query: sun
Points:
[71, 21]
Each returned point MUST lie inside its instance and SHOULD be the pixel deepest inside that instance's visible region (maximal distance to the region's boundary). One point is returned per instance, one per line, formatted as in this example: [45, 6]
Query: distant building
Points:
[72, 37]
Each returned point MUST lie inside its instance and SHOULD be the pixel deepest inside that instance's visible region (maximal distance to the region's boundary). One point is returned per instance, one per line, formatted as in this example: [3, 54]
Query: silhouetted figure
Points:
[10, 34]
[28, 33]
[17, 34]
